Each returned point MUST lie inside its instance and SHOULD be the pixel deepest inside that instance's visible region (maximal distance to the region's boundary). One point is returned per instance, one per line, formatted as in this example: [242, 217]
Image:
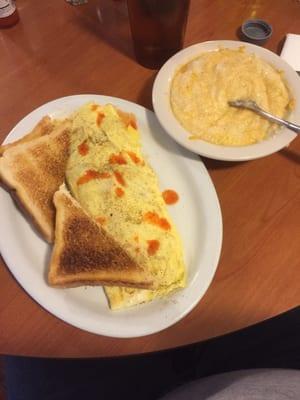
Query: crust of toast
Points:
[84, 254]
[33, 170]
[44, 127]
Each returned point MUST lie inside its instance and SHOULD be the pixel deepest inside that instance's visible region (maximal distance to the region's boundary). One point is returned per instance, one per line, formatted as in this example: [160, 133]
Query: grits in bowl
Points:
[201, 88]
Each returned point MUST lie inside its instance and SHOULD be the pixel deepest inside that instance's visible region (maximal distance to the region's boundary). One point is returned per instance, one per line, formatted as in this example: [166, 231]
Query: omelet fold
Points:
[109, 176]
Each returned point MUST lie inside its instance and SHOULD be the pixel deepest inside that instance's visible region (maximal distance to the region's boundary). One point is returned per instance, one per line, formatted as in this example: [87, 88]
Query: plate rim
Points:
[217, 209]
[162, 109]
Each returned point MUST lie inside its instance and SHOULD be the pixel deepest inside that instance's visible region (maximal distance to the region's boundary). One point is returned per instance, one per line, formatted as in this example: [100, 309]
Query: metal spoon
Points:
[251, 105]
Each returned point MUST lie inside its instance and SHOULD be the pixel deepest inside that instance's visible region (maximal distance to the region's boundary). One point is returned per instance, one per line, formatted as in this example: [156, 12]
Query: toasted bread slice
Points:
[44, 127]
[84, 254]
[33, 171]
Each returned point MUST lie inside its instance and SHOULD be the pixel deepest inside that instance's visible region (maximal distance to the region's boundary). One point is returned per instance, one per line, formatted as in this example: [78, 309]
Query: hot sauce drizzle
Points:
[153, 246]
[119, 178]
[155, 219]
[117, 159]
[128, 119]
[119, 192]
[91, 174]
[134, 157]
[83, 148]
[104, 175]
[170, 196]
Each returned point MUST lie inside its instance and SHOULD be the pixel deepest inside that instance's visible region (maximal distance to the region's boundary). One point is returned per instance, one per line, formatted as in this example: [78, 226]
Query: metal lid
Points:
[256, 31]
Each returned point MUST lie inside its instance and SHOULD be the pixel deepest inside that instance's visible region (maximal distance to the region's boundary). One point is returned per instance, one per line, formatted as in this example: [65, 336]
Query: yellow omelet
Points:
[113, 182]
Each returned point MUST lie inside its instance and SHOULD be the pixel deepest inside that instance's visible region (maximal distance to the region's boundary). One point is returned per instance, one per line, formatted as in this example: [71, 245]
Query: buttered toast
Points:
[84, 254]
[33, 168]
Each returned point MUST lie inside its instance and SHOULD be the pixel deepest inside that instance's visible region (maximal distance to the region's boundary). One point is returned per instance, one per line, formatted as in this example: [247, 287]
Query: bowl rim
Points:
[162, 108]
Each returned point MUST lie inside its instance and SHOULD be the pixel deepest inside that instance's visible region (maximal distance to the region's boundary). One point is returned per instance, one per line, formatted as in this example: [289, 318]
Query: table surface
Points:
[57, 50]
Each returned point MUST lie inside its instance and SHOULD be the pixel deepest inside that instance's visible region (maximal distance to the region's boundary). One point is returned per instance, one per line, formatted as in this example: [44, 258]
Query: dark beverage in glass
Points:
[157, 28]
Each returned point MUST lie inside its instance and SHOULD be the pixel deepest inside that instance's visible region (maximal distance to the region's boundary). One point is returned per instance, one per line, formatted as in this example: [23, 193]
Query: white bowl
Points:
[163, 111]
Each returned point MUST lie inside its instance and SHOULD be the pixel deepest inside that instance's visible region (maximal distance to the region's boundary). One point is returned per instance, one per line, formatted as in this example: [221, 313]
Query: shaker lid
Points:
[256, 31]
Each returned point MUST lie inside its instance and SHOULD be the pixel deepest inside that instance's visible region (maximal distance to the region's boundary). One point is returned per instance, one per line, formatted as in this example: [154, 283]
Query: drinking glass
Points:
[157, 28]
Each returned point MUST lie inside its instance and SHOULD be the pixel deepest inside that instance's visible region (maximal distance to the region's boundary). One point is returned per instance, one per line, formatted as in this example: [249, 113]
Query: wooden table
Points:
[57, 50]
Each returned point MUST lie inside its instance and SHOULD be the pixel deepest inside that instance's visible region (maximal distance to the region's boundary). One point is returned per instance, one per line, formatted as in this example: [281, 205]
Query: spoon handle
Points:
[273, 118]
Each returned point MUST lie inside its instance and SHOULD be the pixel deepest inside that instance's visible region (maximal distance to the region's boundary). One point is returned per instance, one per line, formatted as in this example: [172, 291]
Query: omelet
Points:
[201, 89]
[110, 178]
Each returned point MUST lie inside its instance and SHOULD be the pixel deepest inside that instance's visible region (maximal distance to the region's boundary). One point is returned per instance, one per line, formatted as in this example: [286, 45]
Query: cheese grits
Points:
[201, 89]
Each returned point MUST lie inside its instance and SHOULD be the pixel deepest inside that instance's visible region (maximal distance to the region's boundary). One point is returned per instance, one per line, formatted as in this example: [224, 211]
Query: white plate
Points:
[163, 111]
[197, 216]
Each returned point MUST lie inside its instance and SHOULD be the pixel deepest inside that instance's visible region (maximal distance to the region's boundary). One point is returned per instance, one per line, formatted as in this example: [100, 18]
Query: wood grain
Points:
[57, 50]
